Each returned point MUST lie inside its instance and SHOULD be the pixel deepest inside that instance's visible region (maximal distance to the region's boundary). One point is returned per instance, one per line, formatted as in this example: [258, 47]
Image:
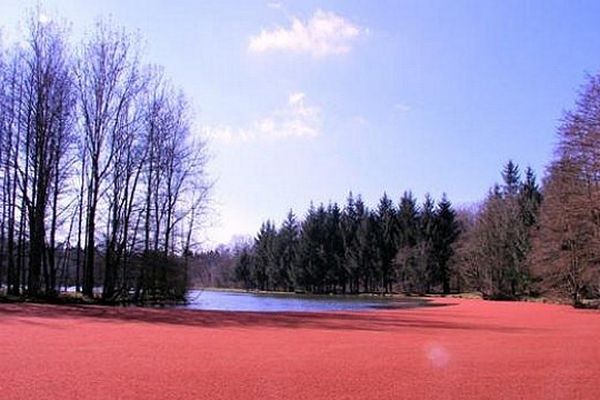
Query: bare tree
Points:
[48, 114]
[121, 197]
[97, 152]
[12, 126]
[107, 81]
[566, 253]
[174, 184]
[490, 253]
[566, 244]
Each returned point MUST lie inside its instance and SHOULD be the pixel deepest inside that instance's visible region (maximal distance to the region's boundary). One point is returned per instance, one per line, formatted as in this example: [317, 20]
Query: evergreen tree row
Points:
[356, 249]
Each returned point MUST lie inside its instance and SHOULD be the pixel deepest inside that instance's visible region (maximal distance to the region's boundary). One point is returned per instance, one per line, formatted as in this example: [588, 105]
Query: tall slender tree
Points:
[446, 233]
[107, 81]
[387, 240]
[287, 252]
[48, 114]
[408, 223]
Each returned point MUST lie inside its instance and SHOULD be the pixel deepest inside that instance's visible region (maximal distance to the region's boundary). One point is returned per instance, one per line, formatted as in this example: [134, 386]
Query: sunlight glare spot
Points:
[437, 355]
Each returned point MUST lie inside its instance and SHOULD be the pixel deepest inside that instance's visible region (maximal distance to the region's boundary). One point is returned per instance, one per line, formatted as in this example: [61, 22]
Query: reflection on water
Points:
[242, 301]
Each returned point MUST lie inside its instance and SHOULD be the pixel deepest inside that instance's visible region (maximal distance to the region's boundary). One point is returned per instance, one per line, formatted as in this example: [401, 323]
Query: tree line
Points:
[525, 239]
[355, 249]
[102, 183]
[404, 247]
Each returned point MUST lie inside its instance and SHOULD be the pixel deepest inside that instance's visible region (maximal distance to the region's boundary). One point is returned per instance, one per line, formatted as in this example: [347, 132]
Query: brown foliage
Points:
[567, 244]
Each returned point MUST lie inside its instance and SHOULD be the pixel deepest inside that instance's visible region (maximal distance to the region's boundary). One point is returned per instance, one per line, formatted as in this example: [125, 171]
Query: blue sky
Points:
[306, 100]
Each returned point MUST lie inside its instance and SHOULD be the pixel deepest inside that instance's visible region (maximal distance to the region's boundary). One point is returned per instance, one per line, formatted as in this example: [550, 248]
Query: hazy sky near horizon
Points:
[307, 100]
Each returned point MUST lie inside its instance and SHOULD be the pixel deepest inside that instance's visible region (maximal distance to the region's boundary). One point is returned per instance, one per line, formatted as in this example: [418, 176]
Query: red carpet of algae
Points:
[459, 349]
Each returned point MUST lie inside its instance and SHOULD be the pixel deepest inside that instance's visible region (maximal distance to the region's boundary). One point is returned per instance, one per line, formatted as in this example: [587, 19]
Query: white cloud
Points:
[325, 33]
[401, 107]
[297, 119]
[274, 5]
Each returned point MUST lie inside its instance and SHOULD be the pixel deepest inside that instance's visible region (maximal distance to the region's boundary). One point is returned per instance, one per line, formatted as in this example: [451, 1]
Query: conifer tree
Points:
[350, 223]
[244, 269]
[426, 261]
[360, 243]
[312, 258]
[266, 263]
[408, 226]
[287, 252]
[366, 256]
[530, 198]
[336, 270]
[387, 238]
[446, 232]
[512, 179]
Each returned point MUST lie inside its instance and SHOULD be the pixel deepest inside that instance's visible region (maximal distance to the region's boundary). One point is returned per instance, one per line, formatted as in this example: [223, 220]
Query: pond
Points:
[246, 301]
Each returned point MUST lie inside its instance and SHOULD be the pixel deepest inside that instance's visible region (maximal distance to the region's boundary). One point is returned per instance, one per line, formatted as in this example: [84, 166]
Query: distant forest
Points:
[102, 184]
[525, 239]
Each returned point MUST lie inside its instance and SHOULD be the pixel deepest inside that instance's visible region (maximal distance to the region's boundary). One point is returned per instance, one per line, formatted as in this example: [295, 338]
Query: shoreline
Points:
[395, 295]
[325, 295]
[68, 298]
